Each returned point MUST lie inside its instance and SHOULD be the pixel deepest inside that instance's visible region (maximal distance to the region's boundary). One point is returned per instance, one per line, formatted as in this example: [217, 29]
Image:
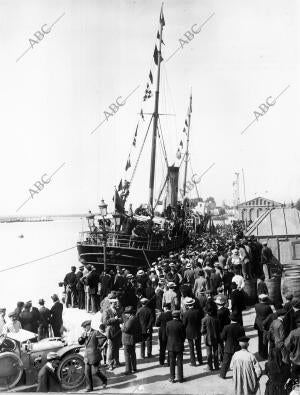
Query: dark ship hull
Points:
[131, 254]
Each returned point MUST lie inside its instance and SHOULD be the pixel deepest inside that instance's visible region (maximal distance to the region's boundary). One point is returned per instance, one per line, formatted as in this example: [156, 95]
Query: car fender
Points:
[73, 348]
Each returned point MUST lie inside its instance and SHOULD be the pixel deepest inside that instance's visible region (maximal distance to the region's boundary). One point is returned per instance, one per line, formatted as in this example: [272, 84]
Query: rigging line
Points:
[36, 260]
[163, 149]
[198, 196]
[140, 153]
[161, 136]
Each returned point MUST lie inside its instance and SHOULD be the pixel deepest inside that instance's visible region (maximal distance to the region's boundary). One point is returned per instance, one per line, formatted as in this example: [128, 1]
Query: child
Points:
[103, 343]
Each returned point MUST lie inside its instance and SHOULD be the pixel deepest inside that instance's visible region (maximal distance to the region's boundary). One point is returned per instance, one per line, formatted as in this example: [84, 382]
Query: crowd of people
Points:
[195, 295]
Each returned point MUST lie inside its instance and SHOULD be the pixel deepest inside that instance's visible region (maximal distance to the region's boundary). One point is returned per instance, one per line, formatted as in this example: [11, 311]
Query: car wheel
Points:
[11, 370]
[71, 371]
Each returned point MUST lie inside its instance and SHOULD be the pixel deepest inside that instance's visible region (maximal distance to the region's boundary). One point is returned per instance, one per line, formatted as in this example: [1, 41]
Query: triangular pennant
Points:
[128, 164]
[178, 154]
[142, 114]
[181, 144]
[161, 18]
[155, 55]
[186, 123]
[158, 37]
[120, 187]
[151, 77]
[184, 131]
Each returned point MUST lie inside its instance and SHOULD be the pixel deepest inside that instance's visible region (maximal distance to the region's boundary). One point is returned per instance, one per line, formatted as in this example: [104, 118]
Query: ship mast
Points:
[155, 119]
[187, 146]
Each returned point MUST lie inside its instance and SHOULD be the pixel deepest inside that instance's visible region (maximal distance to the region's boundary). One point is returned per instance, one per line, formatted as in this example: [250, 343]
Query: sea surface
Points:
[38, 279]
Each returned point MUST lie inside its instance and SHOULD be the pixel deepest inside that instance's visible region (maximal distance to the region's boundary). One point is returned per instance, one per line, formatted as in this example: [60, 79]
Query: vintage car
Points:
[21, 358]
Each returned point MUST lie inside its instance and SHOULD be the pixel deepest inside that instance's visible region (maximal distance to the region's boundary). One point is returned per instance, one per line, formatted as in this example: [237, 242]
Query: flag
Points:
[120, 187]
[148, 93]
[181, 144]
[151, 77]
[161, 18]
[184, 131]
[190, 109]
[119, 204]
[155, 56]
[142, 114]
[158, 37]
[186, 123]
[178, 154]
[135, 135]
[128, 164]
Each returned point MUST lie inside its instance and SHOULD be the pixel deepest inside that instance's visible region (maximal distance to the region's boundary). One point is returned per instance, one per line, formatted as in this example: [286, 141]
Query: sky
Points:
[53, 97]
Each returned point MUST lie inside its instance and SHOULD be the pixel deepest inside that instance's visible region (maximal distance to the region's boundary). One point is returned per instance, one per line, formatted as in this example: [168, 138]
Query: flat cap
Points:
[176, 313]
[243, 339]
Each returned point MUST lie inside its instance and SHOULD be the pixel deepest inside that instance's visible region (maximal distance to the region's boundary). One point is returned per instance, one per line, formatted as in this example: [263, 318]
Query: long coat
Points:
[146, 319]
[56, 314]
[211, 330]
[92, 353]
[230, 334]
[48, 381]
[175, 332]
[192, 322]
[161, 322]
[262, 312]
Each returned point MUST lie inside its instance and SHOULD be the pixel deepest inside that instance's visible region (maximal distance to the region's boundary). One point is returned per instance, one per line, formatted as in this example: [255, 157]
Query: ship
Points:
[136, 239]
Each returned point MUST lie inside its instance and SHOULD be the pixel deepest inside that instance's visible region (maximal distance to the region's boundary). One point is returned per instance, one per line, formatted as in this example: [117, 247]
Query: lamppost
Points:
[103, 213]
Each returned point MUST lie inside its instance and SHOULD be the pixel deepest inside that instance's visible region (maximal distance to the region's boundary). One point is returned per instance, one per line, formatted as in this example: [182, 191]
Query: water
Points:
[40, 279]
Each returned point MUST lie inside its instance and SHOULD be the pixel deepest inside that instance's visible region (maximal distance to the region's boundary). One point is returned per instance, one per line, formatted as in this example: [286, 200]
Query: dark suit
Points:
[175, 332]
[43, 330]
[70, 282]
[230, 334]
[238, 304]
[80, 290]
[92, 357]
[92, 280]
[161, 322]
[262, 312]
[48, 381]
[56, 318]
[211, 331]
[30, 319]
[146, 318]
[130, 332]
[192, 322]
[223, 317]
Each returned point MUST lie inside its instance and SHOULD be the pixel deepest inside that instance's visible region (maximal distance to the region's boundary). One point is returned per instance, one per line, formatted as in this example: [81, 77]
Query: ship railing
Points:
[114, 239]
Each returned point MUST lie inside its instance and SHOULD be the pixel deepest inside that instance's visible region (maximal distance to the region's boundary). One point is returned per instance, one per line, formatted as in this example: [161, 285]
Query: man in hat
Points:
[92, 280]
[56, 320]
[80, 288]
[292, 345]
[170, 296]
[296, 312]
[223, 315]
[19, 309]
[13, 326]
[192, 322]
[276, 333]
[70, 282]
[263, 310]
[105, 283]
[161, 323]
[246, 369]
[92, 355]
[189, 275]
[175, 332]
[112, 318]
[30, 318]
[229, 335]
[200, 284]
[130, 332]
[2, 319]
[238, 303]
[47, 377]
[146, 318]
[43, 331]
[210, 329]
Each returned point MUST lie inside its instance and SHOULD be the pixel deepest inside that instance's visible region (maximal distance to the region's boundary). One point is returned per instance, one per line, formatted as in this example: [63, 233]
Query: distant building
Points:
[252, 209]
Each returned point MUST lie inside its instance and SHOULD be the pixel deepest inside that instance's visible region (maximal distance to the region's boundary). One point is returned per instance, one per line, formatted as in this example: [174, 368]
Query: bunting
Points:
[158, 37]
[119, 204]
[184, 130]
[161, 18]
[142, 114]
[135, 135]
[181, 144]
[178, 154]
[148, 93]
[120, 187]
[155, 56]
[151, 77]
[186, 123]
[128, 164]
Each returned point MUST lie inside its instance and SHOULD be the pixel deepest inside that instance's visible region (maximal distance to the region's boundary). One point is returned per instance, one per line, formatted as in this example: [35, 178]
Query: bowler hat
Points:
[176, 313]
[54, 297]
[234, 316]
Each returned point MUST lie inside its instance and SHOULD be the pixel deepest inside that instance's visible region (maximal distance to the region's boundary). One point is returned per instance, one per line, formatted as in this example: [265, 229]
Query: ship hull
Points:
[132, 258]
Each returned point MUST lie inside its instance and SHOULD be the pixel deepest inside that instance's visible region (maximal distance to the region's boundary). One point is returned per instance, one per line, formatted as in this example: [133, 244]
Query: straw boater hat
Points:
[144, 300]
[171, 285]
[189, 302]
[140, 273]
[220, 300]
[171, 264]
[188, 266]
[263, 297]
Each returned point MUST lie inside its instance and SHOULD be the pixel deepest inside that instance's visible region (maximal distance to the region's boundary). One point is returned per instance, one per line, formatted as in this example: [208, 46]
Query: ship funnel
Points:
[172, 190]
